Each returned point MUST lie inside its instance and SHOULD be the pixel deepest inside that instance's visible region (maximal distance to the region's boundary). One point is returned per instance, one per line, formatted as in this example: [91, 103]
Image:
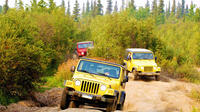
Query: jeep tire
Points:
[121, 106]
[111, 107]
[65, 100]
[157, 77]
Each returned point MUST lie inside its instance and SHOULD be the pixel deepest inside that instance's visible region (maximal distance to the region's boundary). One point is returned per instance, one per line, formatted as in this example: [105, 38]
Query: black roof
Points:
[102, 61]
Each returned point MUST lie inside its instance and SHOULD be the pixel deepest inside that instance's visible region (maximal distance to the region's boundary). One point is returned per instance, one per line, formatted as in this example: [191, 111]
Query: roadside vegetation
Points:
[36, 39]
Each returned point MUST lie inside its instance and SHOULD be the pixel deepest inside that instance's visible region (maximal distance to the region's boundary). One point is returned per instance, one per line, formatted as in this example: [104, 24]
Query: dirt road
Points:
[145, 95]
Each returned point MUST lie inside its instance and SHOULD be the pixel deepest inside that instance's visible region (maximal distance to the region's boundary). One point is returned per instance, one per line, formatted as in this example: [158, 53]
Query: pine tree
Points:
[183, 7]
[42, 4]
[87, 7]
[168, 10]
[83, 9]
[52, 5]
[92, 5]
[21, 5]
[34, 5]
[5, 7]
[94, 11]
[109, 7]
[68, 8]
[76, 11]
[174, 7]
[186, 10]
[197, 15]
[16, 4]
[191, 10]
[161, 7]
[161, 18]
[116, 7]
[123, 5]
[147, 5]
[0, 9]
[154, 8]
[99, 8]
[132, 4]
[63, 4]
[179, 9]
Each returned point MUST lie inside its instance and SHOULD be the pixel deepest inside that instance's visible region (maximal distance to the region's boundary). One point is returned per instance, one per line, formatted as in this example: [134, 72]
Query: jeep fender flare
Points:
[122, 97]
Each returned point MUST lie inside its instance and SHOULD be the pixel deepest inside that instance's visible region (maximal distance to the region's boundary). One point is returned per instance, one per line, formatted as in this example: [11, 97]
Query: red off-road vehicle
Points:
[82, 48]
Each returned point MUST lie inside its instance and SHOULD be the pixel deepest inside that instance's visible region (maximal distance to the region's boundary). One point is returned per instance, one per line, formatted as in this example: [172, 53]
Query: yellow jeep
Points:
[141, 62]
[96, 83]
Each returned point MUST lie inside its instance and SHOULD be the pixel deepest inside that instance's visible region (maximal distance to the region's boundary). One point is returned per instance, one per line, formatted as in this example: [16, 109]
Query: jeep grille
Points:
[148, 69]
[90, 87]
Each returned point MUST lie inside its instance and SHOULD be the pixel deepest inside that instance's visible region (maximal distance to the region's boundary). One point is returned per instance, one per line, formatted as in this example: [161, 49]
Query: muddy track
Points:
[144, 95]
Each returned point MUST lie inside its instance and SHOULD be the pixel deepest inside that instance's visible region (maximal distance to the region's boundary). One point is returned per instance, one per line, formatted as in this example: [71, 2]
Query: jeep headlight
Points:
[77, 83]
[142, 67]
[154, 68]
[103, 87]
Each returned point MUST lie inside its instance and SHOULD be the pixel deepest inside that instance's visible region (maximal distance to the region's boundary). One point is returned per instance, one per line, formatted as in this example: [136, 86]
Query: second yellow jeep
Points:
[141, 62]
[97, 83]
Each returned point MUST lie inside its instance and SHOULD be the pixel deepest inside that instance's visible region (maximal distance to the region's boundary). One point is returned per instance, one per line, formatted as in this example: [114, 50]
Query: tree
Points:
[147, 5]
[21, 5]
[132, 5]
[0, 8]
[92, 6]
[179, 10]
[174, 7]
[87, 7]
[191, 11]
[42, 4]
[68, 8]
[161, 18]
[34, 5]
[154, 8]
[161, 7]
[123, 5]
[16, 4]
[52, 5]
[183, 7]
[76, 11]
[83, 9]
[115, 7]
[5, 7]
[186, 10]
[63, 4]
[168, 10]
[109, 7]
[197, 15]
[99, 8]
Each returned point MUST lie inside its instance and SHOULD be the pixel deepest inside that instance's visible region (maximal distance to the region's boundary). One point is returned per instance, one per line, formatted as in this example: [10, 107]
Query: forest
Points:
[36, 38]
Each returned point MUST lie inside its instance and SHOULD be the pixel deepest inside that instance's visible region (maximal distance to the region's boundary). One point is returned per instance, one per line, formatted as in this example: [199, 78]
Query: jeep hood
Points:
[144, 63]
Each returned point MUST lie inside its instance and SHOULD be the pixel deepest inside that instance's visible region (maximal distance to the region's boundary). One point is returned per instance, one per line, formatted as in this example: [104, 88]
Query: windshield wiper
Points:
[103, 74]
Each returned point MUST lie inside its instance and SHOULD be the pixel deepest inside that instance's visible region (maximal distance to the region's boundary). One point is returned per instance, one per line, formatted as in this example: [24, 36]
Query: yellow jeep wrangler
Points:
[96, 83]
[141, 62]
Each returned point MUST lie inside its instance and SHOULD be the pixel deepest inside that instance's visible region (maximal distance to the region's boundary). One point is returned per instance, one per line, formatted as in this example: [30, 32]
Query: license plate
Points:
[87, 96]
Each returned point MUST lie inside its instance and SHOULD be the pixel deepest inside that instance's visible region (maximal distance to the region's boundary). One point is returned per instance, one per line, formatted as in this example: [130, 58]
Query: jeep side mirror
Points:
[155, 58]
[125, 79]
[73, 69]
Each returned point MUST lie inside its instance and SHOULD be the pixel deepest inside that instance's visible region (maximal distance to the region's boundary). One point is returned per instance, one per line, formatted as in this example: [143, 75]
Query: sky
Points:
[138, 3]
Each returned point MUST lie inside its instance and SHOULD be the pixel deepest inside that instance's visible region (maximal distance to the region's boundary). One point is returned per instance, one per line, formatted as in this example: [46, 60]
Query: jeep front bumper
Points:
[148, 73]
[84, 97]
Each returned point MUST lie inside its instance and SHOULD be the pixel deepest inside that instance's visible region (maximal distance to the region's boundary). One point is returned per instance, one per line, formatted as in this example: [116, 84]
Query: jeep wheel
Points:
[157, 77]
[75, 104]
[65, 101]
[121, 106]
[112, 106]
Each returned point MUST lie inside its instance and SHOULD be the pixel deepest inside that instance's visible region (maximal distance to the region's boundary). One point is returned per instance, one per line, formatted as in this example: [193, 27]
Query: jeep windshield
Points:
[84, 45]
[142, 56]
[99, 69]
